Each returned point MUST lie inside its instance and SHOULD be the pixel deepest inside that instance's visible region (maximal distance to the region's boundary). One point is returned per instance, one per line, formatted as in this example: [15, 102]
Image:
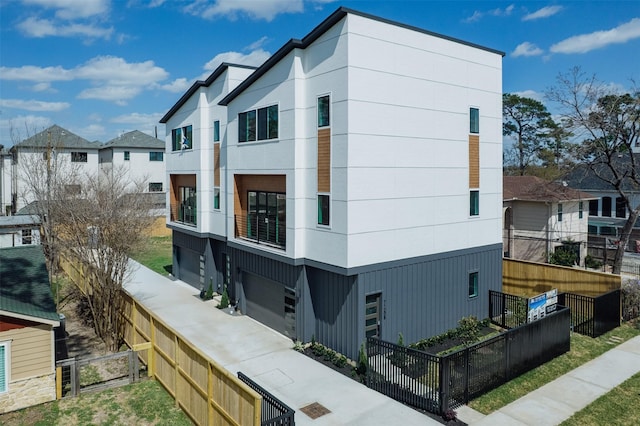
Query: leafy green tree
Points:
[608, 122]
[530, 125]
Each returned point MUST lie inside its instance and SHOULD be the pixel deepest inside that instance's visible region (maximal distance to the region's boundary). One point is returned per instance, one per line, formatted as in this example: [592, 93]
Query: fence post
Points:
[58, 382]
[504, 310]
[131, 369]
[466, 375]
[75, 378]
[444, 384]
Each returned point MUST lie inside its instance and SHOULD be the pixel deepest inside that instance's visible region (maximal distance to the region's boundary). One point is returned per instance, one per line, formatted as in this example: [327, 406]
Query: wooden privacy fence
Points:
[524, 278]
[204, 390]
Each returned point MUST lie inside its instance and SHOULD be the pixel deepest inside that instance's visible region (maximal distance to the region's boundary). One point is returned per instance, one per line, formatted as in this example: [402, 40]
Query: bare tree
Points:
[96, 219]
[608, 123]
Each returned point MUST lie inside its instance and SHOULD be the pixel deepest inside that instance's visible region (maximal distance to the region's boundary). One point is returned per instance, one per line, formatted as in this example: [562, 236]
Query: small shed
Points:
[27, 320]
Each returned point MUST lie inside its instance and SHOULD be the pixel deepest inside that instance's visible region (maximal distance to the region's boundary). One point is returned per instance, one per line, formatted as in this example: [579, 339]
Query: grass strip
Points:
[156, 254]
[583, 349]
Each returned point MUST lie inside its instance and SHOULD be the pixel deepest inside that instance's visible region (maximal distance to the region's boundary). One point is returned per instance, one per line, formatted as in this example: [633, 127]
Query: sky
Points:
[100, 68]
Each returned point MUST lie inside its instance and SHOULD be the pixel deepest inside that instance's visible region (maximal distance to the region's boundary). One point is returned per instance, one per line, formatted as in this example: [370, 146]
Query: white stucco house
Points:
[139, 156]
[21, 230]
[351, 186]
[540, 216]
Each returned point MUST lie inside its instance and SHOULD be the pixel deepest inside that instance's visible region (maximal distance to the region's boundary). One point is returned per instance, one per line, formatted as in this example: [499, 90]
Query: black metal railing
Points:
[438, 383]
[273, 412]
[593, 316]
[507, 310]
[263, 229]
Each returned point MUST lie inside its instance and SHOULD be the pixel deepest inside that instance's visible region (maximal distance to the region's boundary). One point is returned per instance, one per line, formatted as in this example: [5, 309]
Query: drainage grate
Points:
[315, 410]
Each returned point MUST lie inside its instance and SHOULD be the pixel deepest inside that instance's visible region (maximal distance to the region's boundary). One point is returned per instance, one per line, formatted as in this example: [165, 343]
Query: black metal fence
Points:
[437, 383]
[274, 412]
[593, 316]
[506, 310]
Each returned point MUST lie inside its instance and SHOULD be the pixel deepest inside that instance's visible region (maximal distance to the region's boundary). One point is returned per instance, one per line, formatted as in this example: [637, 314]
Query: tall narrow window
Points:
[127, 156]
[473, 284]
[559, 212]
[580, 208]
[323, 111]
[323, 209]
[216, 198]
[474, 203]
[474, 120]
[593, 207]
[216, 131]
[4, 366]
[606, 206]
[621, 207]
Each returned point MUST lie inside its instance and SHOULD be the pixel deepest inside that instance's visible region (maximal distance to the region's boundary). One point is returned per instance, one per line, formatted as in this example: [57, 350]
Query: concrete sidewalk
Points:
[239, 343]
[558, 400]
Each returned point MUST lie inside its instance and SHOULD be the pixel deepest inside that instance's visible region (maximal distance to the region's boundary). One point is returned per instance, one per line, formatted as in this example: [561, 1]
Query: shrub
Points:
[563, 256]
[209, 294]
[592, 263]
[630, 299]
[224, 300]
[363, 362]
[341, 361]
[469, 330]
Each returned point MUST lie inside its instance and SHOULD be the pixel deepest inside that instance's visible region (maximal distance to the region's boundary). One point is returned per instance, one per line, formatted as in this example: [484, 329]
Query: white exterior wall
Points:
[200, 111]
[138, 168]
[5, 182]
[399, 138]
[571, 228]
[62, 160]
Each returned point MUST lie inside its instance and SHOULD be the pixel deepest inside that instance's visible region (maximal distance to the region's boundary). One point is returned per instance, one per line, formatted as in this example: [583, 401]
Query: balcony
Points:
[262, 228]
[187, 214]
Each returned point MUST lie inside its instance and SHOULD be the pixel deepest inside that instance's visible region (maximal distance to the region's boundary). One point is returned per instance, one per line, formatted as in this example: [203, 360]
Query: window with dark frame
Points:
[323, 111]
[580, 210]
[216, 198]
[78, 157]
[559, 212]
[260, 124]
[155, 186]
[156, 156]
[473, 284]
[621, 207]
[27, 237]
[4, 369]
[474, 120]
[323, 209]
[593, 207]
[606, 206]
[474, 203]
[127, 156]
[182, 138]
[216, 131]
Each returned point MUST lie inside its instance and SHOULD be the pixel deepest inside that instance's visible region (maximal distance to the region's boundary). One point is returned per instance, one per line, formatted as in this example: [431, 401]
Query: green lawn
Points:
[583, 349]
[141, 404]
[156, 255]
[618, 407]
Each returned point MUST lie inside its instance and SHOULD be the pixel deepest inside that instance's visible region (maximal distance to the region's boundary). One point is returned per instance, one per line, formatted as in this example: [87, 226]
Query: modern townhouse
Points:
[351, 186]
[139, 156]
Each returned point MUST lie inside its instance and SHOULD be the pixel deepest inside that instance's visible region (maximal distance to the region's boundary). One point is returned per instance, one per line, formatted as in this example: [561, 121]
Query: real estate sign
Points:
[542, 304]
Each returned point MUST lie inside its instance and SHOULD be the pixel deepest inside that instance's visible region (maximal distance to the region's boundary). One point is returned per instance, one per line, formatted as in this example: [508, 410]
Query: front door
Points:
[372, 315]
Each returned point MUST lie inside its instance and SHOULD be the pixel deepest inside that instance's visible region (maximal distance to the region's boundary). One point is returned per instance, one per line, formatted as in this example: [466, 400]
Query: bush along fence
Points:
[593, 316]
[438, 383]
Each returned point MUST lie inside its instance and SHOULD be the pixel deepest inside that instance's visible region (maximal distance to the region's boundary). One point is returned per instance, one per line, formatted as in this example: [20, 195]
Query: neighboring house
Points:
[540, 216]
[348, 187]
[607, 212]
[139, 155]
[5, 181]
[21, 230]
[66, 150]
[27, 320]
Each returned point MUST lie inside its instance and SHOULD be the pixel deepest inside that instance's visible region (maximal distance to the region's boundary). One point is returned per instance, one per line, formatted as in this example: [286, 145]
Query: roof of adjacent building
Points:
[135, 139]
[318, 31]
[586, 177]
[533, 188]
[58, 138]
[24, 283]
[198, 84]
[20, 221]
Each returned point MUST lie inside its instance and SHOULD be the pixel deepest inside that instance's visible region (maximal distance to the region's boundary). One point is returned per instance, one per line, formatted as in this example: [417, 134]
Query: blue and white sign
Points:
[542, 304]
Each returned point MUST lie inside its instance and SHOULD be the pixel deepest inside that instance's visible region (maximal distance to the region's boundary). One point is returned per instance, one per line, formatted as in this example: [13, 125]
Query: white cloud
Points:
[137, 118]
[117, 94]
[254, 9]
[257, 44]
[40, 28]
[117, 71]
[72, 9]
[526, 49]
[91, 132]
[42, 87]
[531, 94]
[178, 85]
[19, 127]
[254, 58]
[545, 12]
[477, 15]
[33, 73]
[599, 39]
[33, 105]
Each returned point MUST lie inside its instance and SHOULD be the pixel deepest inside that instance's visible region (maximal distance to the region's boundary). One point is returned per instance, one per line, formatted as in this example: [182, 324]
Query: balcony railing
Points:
[187, 214]
[261, 228]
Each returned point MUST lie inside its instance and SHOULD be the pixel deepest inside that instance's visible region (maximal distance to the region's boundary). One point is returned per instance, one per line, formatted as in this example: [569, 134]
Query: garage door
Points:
[189, 266]
[270, 303]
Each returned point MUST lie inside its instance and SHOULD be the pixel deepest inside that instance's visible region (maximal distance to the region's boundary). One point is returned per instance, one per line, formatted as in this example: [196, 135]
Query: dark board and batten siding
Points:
[428, 297]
